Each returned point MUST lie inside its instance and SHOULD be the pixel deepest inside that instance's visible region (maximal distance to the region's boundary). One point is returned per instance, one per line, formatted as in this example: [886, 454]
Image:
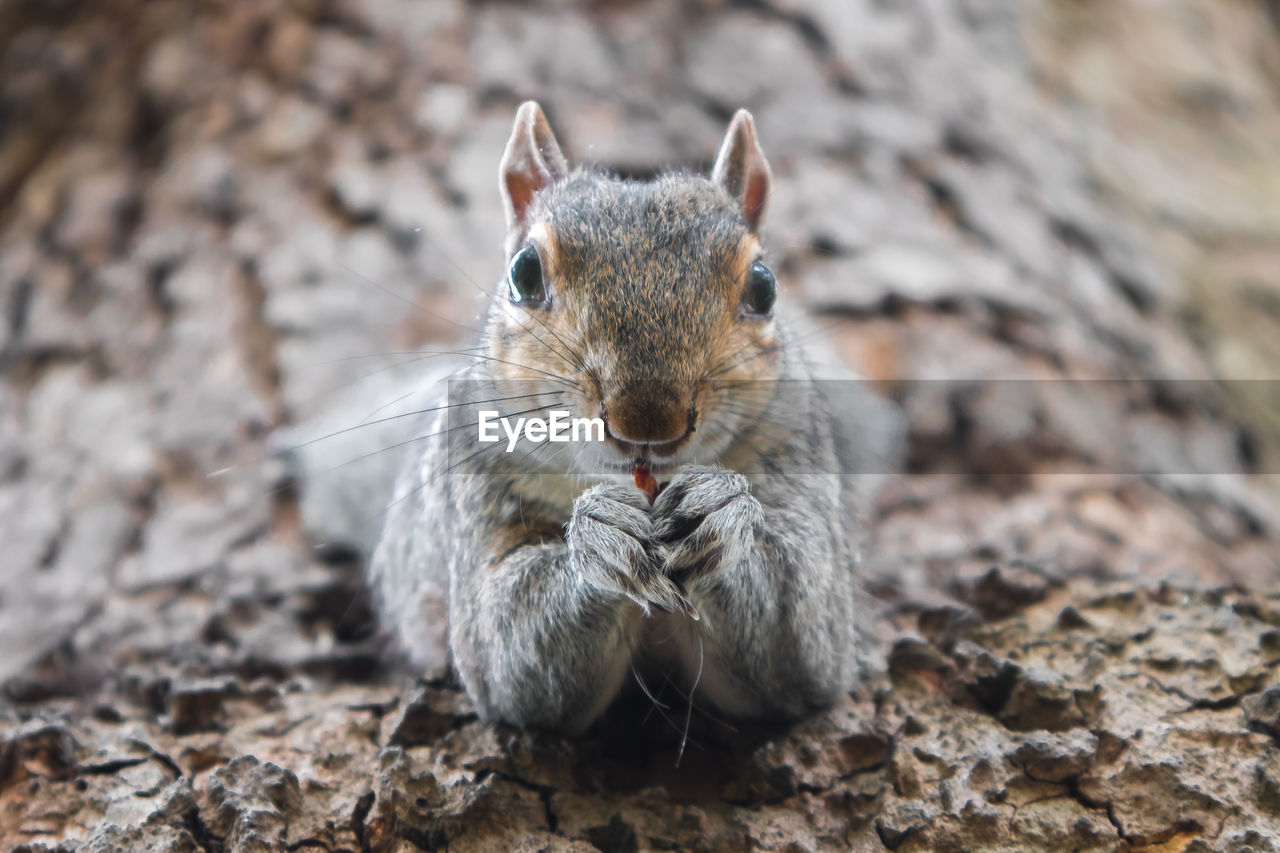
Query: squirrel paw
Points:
[705, 518]
[610, 539]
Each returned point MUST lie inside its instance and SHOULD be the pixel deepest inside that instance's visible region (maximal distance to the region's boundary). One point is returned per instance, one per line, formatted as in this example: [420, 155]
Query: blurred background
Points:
[213, 215]
[218, 216]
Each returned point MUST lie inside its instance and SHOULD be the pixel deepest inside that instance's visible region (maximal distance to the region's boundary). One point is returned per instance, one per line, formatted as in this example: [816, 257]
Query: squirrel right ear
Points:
[532, 162]
[741, 169]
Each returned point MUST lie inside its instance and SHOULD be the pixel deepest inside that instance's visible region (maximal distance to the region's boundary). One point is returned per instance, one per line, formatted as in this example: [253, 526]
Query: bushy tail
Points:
[347, 459]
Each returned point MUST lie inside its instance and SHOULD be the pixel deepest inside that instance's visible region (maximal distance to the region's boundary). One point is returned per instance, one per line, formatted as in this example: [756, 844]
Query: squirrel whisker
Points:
[410, 302]
[418, 438]
[389, 418]
[491, 448]
[466, 352]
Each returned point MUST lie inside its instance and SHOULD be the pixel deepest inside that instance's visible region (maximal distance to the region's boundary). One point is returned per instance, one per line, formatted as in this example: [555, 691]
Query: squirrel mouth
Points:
[649, 453]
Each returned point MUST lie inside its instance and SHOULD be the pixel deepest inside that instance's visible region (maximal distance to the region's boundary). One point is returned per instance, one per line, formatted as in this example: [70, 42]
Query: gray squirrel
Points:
[544, 579]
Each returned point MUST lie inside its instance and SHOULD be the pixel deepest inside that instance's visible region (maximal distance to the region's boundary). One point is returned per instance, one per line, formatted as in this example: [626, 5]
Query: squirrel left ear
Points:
[531, 162]
[741, 169]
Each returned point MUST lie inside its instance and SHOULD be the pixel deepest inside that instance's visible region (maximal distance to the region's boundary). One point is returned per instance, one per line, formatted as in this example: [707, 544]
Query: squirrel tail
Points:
[345, 461]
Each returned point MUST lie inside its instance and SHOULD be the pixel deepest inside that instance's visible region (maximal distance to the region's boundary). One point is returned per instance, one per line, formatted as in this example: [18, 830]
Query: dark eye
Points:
[524, 279]
[762, 290]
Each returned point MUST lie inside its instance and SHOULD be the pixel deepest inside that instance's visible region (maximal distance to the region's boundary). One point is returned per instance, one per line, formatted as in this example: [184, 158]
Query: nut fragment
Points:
[645, 482]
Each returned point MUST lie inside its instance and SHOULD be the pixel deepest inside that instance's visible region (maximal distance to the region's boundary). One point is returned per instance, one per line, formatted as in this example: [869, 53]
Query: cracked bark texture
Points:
[215, 216]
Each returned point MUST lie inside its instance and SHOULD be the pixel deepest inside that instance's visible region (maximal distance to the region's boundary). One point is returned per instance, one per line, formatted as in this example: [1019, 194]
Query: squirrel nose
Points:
[648, 412]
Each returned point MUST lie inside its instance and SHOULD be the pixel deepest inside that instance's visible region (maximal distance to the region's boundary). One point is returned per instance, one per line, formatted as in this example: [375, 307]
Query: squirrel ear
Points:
[532, 162]
[742, 170]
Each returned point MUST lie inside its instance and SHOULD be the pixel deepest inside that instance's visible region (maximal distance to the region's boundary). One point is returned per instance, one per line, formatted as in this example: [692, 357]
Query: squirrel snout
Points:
[648, 417]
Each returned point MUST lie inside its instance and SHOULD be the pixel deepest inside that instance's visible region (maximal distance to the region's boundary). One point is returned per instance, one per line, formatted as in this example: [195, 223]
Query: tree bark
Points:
[212, 215]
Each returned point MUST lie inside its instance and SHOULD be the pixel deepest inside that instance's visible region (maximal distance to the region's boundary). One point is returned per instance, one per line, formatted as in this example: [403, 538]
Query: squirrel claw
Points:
[686, 606]
[676, 600]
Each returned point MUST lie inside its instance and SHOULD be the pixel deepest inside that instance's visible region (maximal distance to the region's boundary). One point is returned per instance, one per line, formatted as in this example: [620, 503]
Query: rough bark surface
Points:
[215, 214]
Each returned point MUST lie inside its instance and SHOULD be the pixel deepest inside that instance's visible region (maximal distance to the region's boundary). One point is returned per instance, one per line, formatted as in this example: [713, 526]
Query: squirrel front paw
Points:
[611, 544]
[703, 519]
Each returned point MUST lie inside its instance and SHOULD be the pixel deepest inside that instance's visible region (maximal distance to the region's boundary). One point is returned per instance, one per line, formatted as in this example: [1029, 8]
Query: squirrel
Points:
[544, 578]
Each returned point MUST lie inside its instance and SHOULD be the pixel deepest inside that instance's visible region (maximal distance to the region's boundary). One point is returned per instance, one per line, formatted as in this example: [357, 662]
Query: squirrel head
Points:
[651, 300]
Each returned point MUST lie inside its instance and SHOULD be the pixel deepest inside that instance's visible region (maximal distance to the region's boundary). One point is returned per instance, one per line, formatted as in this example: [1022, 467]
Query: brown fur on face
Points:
[645, 313]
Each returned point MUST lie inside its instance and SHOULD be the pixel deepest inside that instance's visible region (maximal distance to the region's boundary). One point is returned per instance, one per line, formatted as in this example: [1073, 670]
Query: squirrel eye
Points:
[762, 290]
[524, 278]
